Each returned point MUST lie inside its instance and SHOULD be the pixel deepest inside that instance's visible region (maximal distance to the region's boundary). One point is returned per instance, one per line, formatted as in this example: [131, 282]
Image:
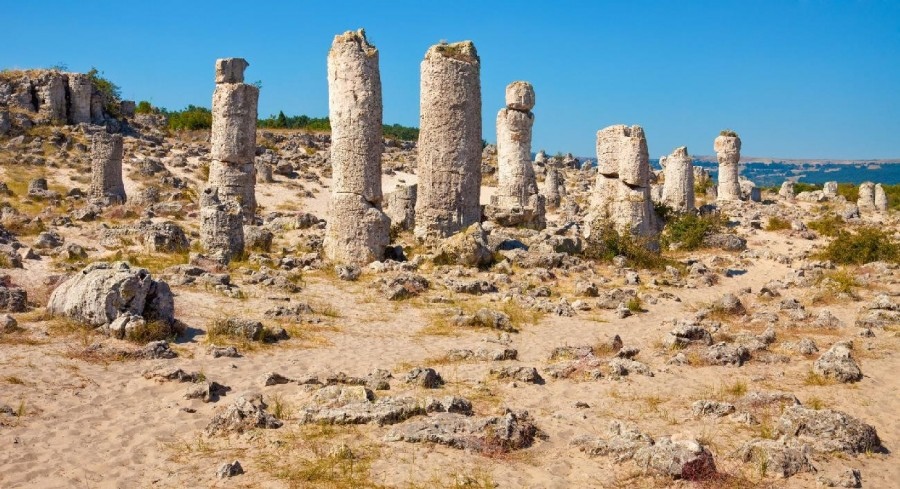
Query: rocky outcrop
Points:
[449, 166]
[881, 200]
[358, 231]
[494, 434]
[104, 292]
[517, 201]
[838, 363]
[621, 194]
[866, 199]
[787, 190]
[678, 189]
[52, 97]
[233, 141]
[728, 152]
[828, 431]
[107, 153]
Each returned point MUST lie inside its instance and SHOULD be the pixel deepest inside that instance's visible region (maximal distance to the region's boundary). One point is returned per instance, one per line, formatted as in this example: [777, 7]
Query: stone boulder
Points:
[827, 430]
[838, 363]
[469, 248]
[102, 292]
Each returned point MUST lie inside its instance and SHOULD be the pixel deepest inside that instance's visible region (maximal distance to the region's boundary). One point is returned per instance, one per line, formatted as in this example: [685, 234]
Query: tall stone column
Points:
[517, 197]
[728, 152]
[449, 168]
[678, 189]
[221, 226]
[358, 231]
[233, 141]
[787, 190]
[622, 191]
[107, 153]
[554, 188]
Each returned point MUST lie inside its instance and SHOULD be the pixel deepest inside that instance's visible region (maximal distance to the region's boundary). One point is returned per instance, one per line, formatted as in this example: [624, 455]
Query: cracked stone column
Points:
[728, 152]
[881, 200]
[678, 189]
[517, 185]
[107, 153]
[233, 141]
[80, 90]
[400, 206]
[622, 192]
[358, 231]
[866, 200]
[449, 168]
[221, 226]
[830, 189]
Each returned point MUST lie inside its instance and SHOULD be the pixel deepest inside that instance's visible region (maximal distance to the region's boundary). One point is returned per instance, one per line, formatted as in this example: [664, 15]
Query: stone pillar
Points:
[449, 147]
[678, 189]
[5, 124]
[233, 141]
[787, 190]
[358, 231]
[554, 189]
[622, 192]
[51, 97]
[107, 152]
[221, 226]
[881, 200]
[728, 152]
[866, 200]
[517, 193]
[80, 90]
[830, 190]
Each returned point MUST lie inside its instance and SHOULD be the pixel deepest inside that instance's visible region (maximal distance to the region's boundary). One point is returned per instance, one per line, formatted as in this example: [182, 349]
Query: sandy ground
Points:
[100, 425]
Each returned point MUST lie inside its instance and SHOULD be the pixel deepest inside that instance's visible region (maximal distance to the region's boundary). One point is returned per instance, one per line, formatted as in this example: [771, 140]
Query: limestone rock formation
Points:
[881, 200]
[358, 231]
[678, 190]
[830, 190]
[866, 200]
[787, 190]
[400, 207]
[107, 153]
[554, 187]
[233, 140]
[221, 226]
[449, 166]
[517, 201]
[621, 194]
[80, 90]
[102, 292]
[728, 152]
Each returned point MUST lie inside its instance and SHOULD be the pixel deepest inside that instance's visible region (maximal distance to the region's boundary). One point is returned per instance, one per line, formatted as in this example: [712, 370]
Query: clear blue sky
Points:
[808, 79]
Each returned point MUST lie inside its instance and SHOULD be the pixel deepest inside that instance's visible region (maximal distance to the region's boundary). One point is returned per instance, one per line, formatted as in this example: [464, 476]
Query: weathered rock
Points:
[838, 363]
[554, 189]
[517, 191]
[781, 457]
[512, 431]
[687, 332]
[469, 248]
[13, 299]
[233, 141]
[787, 190]
[830, 190]
[678, 190]
[102, 292]
[725, 241]
[221, 226]
[682, 459]
[229, 469]
[358, 231]
[726, 354]
[866, 200]
[711, 408]
[247, 413]
[79, 91]
[621, 194]
[400, 207]
[449, 147]
[424, 377]
[846, 478]
[827, 430]
[106, 168]
[881, 200]
[522, 374]
[728, 152]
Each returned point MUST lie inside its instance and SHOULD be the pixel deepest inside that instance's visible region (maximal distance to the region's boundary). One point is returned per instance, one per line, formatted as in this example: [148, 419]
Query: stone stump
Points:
[107, 153]
[678, 189]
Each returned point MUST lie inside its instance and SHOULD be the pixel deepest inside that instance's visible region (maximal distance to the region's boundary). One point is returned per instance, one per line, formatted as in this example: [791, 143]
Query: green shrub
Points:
[191, 118]
[109, 91]
[322, 124]
[776, 224]
[728, 132]
[868, 244]
[607, 243]
[849, 191]
[688, 230]
[143, 107]
[829, 225]
[805, 187]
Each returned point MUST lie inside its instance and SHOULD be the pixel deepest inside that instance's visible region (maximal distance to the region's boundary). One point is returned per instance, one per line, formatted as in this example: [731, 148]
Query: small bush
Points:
[829, 225]
[634, 304]
[777, 224]
[192, 118]
[728, 133]
[868, 244]
[143, 107]
[687, 231]
[805, 187]
[607, 243]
